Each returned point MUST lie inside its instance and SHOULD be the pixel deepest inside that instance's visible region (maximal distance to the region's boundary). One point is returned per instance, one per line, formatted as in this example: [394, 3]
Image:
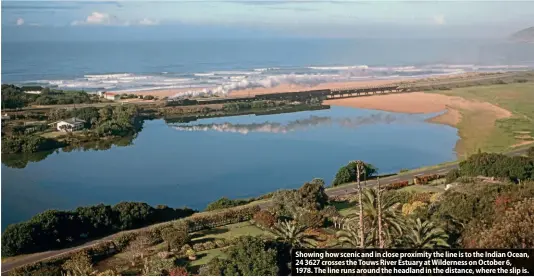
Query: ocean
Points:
[220, 66]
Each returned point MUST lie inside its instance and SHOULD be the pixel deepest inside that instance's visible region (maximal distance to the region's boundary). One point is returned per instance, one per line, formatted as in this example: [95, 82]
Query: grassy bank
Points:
[477, 132]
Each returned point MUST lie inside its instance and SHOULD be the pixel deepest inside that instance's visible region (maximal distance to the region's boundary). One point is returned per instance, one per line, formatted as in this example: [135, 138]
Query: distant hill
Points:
[525, 35]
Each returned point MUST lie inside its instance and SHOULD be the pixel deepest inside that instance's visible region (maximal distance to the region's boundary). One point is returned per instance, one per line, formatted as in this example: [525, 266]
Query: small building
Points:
[111, 96]
[70, 125]
[6, 117]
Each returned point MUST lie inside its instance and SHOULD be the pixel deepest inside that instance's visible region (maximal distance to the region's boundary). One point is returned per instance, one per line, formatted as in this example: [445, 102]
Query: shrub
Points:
[175, 237]
[408, 209]
[513, 229]
[264, 219]
[421, 197]
[178, 271]
[123, 240]
[225, 203]
[250, 256]
[452, 175]
[498, 165]
[347, 174]
[530, 152]
[311, 219]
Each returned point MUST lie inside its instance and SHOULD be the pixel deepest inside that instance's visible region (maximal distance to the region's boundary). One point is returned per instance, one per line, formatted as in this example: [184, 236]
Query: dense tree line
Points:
[515, 168]
[225, 203]
[28, 144]
[53, 229]
[15, 97]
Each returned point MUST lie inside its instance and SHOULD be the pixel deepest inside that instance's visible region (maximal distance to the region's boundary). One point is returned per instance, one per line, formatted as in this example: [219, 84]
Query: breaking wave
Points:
[224, 82]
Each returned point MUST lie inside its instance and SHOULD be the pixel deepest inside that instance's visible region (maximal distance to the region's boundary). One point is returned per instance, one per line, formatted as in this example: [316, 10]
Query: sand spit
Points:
[419, 102]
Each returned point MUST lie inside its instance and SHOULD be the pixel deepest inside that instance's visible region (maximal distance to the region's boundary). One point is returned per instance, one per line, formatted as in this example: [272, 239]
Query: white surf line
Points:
[418, 174]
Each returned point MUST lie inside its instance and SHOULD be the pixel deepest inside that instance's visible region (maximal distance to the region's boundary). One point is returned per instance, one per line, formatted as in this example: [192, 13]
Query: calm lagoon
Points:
[195, 163]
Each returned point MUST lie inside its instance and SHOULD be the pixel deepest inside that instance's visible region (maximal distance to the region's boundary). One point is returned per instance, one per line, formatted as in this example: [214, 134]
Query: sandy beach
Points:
[419, 102]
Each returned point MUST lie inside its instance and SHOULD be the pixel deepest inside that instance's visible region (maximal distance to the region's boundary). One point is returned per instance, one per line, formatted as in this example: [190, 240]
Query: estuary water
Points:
[243, 156]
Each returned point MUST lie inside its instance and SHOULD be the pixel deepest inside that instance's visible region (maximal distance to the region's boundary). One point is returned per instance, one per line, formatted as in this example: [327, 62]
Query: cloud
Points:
[439, 19]
[98, 18]
[20, 21]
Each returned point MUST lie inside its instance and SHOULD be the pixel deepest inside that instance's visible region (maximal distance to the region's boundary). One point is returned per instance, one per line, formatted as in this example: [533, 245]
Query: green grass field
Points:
[478, 133]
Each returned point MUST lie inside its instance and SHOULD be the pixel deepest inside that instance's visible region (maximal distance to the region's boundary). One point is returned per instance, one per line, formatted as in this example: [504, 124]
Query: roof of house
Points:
[74, 120]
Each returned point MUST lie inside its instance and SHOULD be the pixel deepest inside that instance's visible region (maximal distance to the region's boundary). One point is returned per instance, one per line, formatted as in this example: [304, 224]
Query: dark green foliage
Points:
[14, 97]
[530, 152]
[89, 114]
[148, 97]
[347, 174]
[452, 175]
[175, 236]
[498, 165]
[310, 196]
[55, 229]
[28, 144]
[164, 213]
[96, 220]
[249, 256]
[225, 203]
[132, 214]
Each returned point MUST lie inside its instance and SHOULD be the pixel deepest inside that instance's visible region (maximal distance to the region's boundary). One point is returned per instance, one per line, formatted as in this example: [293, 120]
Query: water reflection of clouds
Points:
[298, 125]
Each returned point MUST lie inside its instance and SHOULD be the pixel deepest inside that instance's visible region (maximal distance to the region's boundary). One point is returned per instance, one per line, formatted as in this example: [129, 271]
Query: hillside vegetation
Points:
[478, 134]
[462, 210]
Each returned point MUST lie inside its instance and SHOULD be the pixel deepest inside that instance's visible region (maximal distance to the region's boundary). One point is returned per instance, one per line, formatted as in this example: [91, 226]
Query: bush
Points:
[264, 219]
[225, 203]
[123, 240]
[250, 256]
[498, 165]
[55, 229]
[175, 237]
[28, 144]
[421, 197]
[178, 271]
[225, 217]
[452, 175]
[514, 228]
[347, 174]
[530, 152]
[311, 219]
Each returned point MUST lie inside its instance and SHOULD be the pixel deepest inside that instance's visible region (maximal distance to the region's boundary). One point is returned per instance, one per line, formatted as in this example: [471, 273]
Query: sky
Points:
[130, 19]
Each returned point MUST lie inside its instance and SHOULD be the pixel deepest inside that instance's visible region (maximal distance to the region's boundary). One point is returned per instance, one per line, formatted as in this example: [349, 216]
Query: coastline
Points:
[285, 87]
[423, 103]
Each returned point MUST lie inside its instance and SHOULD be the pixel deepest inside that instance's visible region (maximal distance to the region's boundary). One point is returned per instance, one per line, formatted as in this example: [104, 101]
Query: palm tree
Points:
[425, 235]
[292, 232]
[391, 221]
[360, 165]
[349, 235]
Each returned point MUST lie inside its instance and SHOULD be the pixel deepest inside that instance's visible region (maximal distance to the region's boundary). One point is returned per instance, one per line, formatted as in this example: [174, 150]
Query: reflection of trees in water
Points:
[23, 159]
[300, 124]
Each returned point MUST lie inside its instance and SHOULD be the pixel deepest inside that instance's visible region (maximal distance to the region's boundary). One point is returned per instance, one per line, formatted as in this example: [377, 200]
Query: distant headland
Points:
[525, 35]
